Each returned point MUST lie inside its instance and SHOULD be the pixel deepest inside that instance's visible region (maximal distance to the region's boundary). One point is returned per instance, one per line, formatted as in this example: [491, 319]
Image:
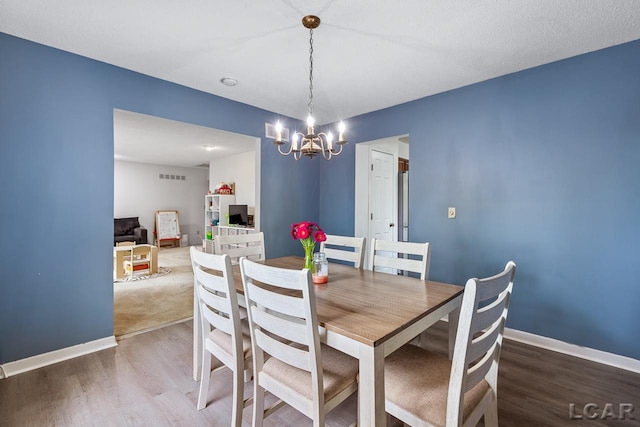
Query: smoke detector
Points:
[228, 81]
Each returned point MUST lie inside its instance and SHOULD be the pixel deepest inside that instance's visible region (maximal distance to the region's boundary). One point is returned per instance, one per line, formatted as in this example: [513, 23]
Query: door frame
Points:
[362, 168]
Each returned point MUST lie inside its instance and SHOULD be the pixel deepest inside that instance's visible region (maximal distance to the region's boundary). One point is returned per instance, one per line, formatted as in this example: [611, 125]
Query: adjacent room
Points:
[327, 213]
[164, 167]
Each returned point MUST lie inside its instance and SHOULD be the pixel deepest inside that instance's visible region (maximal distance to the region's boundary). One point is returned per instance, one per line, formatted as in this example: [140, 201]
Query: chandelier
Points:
[311, 143]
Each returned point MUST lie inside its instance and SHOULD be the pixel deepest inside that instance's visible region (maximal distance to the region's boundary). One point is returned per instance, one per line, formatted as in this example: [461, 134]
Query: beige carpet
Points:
[144, 305]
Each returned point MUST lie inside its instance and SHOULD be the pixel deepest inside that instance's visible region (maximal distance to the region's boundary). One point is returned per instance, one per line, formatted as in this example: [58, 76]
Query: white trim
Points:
[45, 359]
[153, 328]
[587, 353]
[598, 356]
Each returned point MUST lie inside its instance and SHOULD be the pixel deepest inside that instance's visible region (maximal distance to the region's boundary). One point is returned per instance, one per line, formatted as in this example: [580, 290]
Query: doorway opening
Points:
[377, 189]
[162, 164]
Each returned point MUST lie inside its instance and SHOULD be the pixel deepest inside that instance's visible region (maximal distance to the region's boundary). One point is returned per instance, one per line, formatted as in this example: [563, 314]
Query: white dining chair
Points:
[425, 389]
[223, 334]
[311, 377]
[250, 245]
[344, 248]
[384, 254]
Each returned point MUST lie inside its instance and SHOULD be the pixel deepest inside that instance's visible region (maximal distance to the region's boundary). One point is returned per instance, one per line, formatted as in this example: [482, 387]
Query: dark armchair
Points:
[129, 230]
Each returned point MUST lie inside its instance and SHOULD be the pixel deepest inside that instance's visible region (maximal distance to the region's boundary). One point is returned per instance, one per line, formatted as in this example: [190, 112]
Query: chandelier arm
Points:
[337, 152]
[322, 137]
[283, 152]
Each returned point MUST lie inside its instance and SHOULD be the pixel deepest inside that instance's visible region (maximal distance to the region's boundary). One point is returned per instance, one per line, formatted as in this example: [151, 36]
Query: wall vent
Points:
[172, 177]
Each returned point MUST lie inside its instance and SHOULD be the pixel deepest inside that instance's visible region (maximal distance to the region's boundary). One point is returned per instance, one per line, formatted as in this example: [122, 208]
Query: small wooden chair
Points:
[336, 247]
[425, 389]
[139, 260]
[391, 256]
[224, 335]
[312, 378]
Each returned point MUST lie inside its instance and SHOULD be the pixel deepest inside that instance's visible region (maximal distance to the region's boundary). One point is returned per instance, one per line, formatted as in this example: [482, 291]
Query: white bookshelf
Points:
[216, 211]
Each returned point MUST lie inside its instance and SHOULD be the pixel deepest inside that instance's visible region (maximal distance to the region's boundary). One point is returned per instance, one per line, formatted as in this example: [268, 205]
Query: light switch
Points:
[451, 213]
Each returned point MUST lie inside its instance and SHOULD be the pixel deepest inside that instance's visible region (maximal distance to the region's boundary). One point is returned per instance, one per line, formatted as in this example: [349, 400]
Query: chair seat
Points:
[223, 340]
[339, 372]
[417, 381]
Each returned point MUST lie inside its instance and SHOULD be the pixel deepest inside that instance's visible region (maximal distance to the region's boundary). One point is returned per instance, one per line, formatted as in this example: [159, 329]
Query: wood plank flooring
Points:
[146, 381]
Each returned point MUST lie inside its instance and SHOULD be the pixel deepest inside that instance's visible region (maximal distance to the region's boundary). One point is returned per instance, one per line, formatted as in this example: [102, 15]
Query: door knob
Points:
[392, 225]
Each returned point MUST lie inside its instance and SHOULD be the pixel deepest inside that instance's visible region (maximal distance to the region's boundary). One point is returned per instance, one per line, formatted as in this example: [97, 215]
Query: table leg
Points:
[154, 259]
[118, 267]
[371, 410]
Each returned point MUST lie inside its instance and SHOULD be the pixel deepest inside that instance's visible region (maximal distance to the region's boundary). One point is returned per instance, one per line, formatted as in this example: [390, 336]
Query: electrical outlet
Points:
[451, 213]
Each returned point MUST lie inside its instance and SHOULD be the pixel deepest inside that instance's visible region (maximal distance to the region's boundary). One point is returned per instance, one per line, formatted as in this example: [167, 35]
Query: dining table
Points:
[367, 315]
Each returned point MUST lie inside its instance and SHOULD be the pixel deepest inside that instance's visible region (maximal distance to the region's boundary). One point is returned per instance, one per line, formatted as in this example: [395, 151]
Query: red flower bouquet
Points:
[309, 233]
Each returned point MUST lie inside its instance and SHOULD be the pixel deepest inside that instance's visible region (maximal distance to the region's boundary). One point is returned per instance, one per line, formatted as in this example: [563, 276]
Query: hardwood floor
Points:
[146, 381]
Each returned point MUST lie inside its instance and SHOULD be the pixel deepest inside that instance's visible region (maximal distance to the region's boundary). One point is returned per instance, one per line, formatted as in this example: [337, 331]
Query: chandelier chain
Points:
[310, 104]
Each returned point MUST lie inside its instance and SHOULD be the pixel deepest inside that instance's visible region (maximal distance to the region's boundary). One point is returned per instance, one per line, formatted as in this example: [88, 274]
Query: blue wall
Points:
[56, 169]
[543, 167]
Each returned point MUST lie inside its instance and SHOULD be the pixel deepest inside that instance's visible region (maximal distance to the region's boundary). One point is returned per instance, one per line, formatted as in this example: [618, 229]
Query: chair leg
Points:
[238, 397]
[258, 403]
[491, 414]
[319, 421]
[204, 379]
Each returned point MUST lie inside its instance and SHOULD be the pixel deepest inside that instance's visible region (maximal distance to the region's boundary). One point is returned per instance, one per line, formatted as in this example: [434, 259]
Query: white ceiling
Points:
[368, 54]
[148, 139]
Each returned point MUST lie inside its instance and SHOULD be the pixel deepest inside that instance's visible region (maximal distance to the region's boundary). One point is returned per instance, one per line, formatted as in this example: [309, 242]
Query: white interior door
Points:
[365, 190]
[382, 197]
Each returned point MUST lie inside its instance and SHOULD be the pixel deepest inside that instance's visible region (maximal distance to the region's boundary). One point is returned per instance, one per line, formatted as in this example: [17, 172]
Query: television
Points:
[238, 215]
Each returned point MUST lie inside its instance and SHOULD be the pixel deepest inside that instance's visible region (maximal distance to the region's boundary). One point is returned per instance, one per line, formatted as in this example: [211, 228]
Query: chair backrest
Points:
[387, 254]
[140, 250]
[217, 298]
[336, 247]
[125, 243]
[250, 245]
[485, 304]
[139, 256]
[283, 312]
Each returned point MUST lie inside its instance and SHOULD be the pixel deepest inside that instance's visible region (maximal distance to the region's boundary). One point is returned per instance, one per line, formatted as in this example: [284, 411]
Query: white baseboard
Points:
[587, 353]
[45, 359]
[599, 356]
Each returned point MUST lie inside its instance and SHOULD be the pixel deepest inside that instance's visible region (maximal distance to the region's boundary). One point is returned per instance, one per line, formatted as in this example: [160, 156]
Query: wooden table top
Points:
[128, 248]
[367, 306]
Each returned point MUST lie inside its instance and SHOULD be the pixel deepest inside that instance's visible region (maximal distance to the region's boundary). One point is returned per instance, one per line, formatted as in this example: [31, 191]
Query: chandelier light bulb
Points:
[341, 129]
[278, 131]
[310, 121]
[294, 141]
[329, 141]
